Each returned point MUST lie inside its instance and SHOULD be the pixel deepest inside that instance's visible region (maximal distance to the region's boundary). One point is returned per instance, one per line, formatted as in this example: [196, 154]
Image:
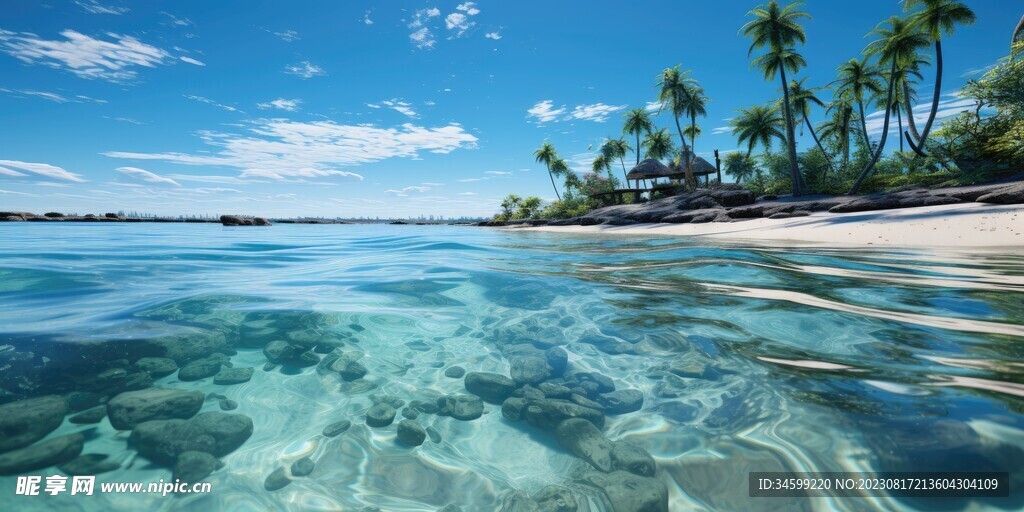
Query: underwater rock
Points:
[603, 383]
[491, 387]
[514, 408]
[195, 466]
[380, 415]
[586, 402]
[27, 421]
[357, 386]
[42, 455]
[552, 390]
[393, 401]
[89, 416]
[529, 370]
[557, 359]
[227, 376]
[216, 433]
[518, 501]
[276, 480]
[585, 441]
[302, 467]
[337, 428]
[130, 408]
[269, 367]
[410, 413]
[200, 369]
[411, 433]
[555, 498]
[455, 372]
[434, 435]
[548, 413]
[450, 508]
[460, 407]
[630, 493]
[352, 371]
[136, 381]
[328, 342]
[183, 348]
[622, 401]
[424, 407]
[227, 405]
[628, 456]
[289, 354]
[89, 464]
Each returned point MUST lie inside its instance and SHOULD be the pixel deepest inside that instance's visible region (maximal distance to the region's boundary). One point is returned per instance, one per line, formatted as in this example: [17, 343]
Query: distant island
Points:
[227, 220]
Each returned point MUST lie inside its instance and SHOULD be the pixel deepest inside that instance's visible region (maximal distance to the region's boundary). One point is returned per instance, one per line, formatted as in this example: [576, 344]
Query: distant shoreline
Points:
[111, 218]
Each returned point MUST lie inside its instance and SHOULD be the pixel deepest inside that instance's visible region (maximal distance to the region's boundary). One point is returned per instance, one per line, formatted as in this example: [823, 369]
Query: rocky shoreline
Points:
[731, 204]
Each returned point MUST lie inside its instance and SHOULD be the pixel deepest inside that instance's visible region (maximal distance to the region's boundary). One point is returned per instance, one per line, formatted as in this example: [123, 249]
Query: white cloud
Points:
[281, 149]
[94, 7]
[192, 61]
[208, 101]
[597, 112]
[468, 8]
[493, 35]
[7, 167]
[281, 104]
[85, 56]
[145, 175]
[11, 192]
[405, 191]
[499, 173]
[466, 194]
[948, 108]
[366, 18]
[51, 96]
[305, 70]
[288, 35]
[721, 129]
[544, 111]
[175, 21]
[397, 105]
[653, 106]
[471, 180]
[423, 38]
[124, 120]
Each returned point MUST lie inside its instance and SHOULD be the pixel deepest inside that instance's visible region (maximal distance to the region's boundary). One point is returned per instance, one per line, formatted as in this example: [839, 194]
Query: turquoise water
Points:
[748, 358]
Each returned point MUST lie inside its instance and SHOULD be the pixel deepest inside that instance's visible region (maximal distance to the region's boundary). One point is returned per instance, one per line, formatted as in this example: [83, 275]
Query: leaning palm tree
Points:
[616, 148]
[803, 98]
[757, 125]
[838, 126]
[674, 88]
[1017, 41]
[906, 95]
[545, 155]
[857, 83]
[897, 44]
[638, 121]
[778, 30]
[560, 167]
[601, 164]
[936, 18]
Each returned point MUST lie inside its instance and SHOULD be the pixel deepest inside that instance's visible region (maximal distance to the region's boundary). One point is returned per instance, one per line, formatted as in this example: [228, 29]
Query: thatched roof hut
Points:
[701, 167]
[649, 169]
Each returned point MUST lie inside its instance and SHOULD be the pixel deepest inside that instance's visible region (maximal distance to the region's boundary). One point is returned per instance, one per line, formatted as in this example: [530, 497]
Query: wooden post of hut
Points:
[718, 167]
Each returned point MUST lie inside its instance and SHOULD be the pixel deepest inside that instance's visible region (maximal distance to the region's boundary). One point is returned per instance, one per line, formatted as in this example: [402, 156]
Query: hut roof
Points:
[649, 169]
[701, 167]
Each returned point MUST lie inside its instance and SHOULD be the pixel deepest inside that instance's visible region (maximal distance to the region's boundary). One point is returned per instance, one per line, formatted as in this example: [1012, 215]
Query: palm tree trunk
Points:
[909, 110]
[864, 125]
[899, 119]
[624, 175]
[814, 136]
[794, 167]
[552, 176]
[638, 148]
[885, 134]
[919, 148]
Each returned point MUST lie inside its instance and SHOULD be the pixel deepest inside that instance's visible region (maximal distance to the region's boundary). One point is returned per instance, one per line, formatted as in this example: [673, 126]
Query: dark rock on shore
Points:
[89, 464]
[42, 455]
[27, 421]
[380, 415]
[1013, 194]
[410, 433]
[491, 387]
[128, 409]
[216, 433]
[227, 376]
[236, 220]
[195, 466]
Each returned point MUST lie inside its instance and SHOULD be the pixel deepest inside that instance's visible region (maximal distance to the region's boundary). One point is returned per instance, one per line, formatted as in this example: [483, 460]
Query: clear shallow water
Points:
[750, 359]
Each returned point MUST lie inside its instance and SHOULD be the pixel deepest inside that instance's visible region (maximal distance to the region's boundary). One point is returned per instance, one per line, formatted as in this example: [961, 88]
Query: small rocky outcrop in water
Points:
[42, 455]
[237, 220]
[27, 421]
[215, 433]
[127, 410]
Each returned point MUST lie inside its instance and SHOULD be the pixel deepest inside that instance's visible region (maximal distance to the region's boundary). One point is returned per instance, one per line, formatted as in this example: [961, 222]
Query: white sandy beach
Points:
[960, 225]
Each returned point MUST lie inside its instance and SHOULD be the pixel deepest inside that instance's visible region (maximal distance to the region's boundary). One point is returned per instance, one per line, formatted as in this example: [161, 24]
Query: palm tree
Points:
[857, 82]
[600, 164]
[838, 126]
[695, 104]
[560, 167]
[897, 45]
[638, 121]
[1018, 38]
[757, 125]
[906, 95]
[936, 18]
[545, 155]
[674, 92]
[778, 30]
[803, 98]
[616, 148]
[658, 145]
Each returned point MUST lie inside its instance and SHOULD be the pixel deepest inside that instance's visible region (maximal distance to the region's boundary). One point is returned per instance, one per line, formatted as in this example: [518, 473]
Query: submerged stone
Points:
[200, 369]
[622, 401]
[27, 421]
[89, 416]
[337, 428]
[41, 455]
[157, 366]
[557, 359]
[460, 407]
[604, 384]
[455, 372]
[89, 464]
[585, 441]
[629, 456]
[411, 433]
[352, 370]
[228, 376]
[551, 390]
[555, 498]
[276, 480]
[548, 413]
[195, 466]
[302, 467]
[380, 415]
[216, 433]
[491, 387]
[130, 408]
[630, 493]
[518, 501]
[529, 370]
[514, 408]
[228, 405]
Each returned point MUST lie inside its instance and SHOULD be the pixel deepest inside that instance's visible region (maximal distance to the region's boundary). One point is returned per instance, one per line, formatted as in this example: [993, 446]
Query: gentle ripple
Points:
[749, 358]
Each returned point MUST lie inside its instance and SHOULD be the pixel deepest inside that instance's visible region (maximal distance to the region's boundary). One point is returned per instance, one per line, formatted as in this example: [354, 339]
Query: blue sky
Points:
[330, 108]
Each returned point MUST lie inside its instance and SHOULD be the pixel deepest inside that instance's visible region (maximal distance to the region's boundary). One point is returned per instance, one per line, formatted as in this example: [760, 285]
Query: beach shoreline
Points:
[976, 225]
